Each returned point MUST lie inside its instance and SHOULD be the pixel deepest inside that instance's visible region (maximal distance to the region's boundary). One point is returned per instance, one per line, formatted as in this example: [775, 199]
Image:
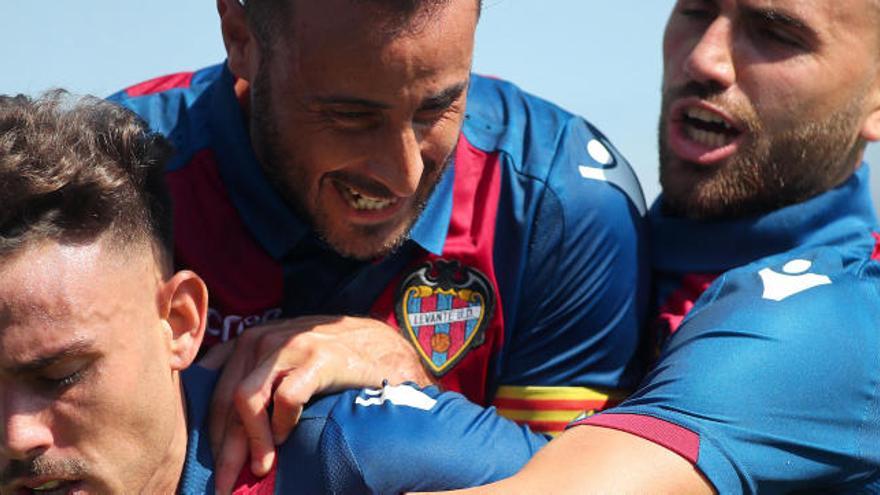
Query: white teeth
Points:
[706, 138]
[51, 485]
[706, 116]
[359, 201]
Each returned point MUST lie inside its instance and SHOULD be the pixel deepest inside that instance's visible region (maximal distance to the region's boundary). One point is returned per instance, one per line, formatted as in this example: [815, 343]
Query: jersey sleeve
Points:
[771, 383]
[573, 345]
[399, 439]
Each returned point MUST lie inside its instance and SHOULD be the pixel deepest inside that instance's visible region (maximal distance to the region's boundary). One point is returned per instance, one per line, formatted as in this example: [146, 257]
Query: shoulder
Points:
[176, 106]
[798, 290]
[555, 156]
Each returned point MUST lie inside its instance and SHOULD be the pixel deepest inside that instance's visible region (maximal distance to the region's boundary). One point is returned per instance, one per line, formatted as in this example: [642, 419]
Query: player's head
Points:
[355, 106]
[94, 327]
[766, 103]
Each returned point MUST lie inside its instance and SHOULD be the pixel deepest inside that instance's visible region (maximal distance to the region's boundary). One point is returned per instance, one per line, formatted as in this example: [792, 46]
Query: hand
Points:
[288, 362]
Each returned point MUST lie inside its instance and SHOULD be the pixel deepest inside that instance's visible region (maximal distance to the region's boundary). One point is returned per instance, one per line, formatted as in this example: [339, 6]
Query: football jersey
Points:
[522, 283]
[394, 439]
[770, 383]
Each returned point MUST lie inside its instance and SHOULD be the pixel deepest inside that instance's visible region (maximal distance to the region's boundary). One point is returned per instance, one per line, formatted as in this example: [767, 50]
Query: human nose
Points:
[24, 432]
[711, 60]
[401, 166]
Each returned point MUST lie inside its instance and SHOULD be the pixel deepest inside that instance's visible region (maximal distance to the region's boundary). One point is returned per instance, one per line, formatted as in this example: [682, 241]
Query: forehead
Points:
[52, 295]
[820, 14]
[367, 35]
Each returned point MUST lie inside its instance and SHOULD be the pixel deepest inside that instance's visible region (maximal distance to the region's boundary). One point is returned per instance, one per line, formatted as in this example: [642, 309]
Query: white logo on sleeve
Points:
[781, 286]
[399, 395]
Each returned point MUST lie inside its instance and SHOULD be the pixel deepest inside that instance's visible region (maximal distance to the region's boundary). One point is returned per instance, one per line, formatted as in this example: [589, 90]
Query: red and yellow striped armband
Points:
[550, 409]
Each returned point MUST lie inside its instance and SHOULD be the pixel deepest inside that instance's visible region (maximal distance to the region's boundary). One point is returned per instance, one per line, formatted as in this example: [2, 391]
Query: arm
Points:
[287, 363]
[589, 459]
[738, 401]
[572, 338]
[400, 438]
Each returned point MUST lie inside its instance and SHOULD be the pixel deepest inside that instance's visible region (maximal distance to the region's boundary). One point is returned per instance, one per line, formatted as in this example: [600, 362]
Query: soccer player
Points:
[769, 380]
[344, 161]
[96, 330]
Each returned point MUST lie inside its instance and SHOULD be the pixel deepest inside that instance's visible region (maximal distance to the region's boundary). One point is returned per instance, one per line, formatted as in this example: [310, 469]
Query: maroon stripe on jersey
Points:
[678, 439]
[471, 241]
[159, 84]
[876, 254]
[245, 284]
[680, 302]
[248, 484]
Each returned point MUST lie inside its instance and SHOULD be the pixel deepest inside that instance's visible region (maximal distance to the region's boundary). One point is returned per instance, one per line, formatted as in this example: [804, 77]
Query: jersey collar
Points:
[689, 246]
[270, 219]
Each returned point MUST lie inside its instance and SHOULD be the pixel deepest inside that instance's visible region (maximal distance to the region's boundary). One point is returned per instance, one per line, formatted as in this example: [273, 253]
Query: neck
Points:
[167, 477]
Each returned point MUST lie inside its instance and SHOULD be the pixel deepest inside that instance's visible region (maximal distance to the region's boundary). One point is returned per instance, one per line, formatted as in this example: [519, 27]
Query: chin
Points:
[366, 243]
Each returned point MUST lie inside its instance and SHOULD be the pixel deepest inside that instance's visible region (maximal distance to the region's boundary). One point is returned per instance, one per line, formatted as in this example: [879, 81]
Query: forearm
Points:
[588, 459]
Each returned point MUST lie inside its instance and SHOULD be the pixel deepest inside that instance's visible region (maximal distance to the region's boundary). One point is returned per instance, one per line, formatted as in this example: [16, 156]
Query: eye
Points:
[66, 381]
[62, 376]
[697, 9]
[351, 120]
[779, 36]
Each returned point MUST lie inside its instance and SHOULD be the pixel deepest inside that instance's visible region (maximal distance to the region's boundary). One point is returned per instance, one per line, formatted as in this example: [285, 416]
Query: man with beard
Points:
[767, 255]
[330, 167]
[96, 330]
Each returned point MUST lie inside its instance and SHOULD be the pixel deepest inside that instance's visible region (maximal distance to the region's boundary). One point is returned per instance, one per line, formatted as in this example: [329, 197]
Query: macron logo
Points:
[794, 280]
[399, 395]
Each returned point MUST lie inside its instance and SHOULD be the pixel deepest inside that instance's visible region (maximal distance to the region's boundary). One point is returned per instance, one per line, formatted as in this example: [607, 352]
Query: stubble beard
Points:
[287, 174]
[767, 173]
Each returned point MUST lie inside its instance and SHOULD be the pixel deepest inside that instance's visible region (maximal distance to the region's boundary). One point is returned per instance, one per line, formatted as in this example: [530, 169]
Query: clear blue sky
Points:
[600, 59]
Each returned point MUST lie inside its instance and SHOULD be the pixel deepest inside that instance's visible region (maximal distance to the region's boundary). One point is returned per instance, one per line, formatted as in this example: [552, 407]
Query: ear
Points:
[871, 125]
[185, 316]
[241, 46]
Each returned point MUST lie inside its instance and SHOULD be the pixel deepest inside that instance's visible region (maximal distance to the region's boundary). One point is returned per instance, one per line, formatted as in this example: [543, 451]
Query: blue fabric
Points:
[569, 255]
[389, 440]
[777, 366]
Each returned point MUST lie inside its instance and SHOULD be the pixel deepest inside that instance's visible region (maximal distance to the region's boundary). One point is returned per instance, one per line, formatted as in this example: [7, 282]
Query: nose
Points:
[24, 431]
[400, 165]
[711, 59]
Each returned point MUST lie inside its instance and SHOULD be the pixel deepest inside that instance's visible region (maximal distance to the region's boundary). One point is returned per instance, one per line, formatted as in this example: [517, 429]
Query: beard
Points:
[289, 176]
[768, 171]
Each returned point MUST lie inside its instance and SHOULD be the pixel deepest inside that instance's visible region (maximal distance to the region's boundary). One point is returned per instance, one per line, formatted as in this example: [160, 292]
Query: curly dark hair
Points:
[73, 169]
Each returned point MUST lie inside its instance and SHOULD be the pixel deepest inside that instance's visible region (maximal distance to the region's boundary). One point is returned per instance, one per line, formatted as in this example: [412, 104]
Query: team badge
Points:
[443, 308]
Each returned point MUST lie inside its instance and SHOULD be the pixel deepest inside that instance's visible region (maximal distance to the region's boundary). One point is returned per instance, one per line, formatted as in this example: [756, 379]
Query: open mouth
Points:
[707, 128]
[363, 202]
[51, 487]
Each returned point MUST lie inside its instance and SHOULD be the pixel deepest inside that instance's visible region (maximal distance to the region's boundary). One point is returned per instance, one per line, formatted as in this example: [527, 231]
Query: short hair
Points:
[265, 16]
[73, 169]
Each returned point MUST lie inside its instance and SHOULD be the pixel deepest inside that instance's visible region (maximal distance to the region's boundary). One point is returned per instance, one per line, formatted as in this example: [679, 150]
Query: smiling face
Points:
[89, 394]
[355, 114]
[765, 102]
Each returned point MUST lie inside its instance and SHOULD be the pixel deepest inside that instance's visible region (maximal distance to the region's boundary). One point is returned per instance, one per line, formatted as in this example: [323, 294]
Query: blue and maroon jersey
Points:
[522, 282]
[395, 439]
[770, 381]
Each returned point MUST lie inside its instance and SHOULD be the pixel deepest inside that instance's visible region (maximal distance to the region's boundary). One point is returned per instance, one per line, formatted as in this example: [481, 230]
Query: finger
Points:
[230, 459]
[222, 398]
[217, 356]
[251, 401]
[289, 398]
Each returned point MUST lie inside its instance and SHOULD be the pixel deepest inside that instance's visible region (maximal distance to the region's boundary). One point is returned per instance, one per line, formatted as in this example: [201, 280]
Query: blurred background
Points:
[597, 58]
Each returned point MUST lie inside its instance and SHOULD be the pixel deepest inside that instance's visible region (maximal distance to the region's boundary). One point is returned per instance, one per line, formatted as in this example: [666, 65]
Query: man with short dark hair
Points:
[767, 254]
[96, 330]
[344, 161]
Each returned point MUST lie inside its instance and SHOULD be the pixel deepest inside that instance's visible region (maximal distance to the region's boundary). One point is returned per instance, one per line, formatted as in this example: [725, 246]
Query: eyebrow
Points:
[777, 16]
[75, 348]
[442, 99]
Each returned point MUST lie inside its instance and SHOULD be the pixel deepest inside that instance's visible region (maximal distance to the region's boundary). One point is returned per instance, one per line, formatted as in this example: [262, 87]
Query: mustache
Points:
[371, 187]
[42, 467]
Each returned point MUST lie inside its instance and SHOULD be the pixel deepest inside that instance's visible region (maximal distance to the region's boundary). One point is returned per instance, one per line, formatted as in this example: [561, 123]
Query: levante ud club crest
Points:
[444, 307]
